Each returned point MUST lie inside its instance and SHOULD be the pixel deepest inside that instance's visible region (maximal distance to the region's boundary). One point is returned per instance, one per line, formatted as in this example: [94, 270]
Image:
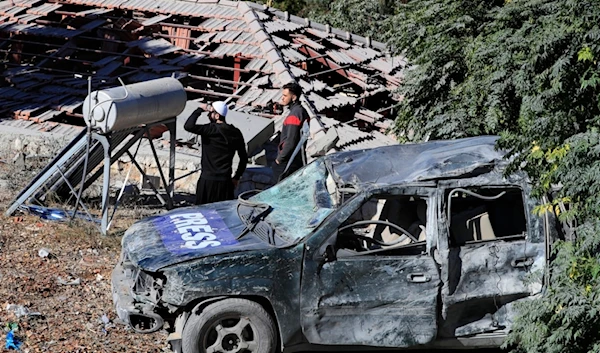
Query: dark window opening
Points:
[483, 214]
[385, 225]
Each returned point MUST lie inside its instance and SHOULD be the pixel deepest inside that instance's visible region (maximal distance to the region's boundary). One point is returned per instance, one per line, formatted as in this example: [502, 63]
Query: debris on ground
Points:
[55, 291]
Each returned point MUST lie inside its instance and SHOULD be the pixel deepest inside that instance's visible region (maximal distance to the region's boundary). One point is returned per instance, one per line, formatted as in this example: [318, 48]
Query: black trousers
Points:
[279, 175]
[208, 191]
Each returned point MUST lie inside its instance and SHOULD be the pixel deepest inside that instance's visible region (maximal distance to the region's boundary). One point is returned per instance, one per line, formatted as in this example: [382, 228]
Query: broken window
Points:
[300, 202]
[385, 225]
[483, 214]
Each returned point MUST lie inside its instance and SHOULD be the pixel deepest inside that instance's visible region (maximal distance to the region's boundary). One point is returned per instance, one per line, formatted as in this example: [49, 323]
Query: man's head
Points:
[291, 93]
[218, 111]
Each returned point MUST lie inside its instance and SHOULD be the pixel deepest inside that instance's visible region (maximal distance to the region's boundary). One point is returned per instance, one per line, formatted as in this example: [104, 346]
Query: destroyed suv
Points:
[420, 245]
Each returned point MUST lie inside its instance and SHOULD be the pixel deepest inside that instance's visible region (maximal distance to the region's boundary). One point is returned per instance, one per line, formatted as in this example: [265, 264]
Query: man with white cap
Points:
[220, 142]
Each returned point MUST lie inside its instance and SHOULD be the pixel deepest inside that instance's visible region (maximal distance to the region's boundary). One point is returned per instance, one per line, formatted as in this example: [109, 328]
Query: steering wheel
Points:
[375, 241]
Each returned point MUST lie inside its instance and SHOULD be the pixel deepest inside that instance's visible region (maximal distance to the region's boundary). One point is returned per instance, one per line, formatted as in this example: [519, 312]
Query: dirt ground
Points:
[55, 288]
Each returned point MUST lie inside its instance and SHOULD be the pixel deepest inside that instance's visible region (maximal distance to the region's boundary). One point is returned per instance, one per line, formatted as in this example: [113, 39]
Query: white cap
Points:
[220, 107]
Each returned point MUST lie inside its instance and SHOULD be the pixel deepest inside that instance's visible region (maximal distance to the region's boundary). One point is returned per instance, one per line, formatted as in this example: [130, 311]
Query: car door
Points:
[384, 297]
[493, 254]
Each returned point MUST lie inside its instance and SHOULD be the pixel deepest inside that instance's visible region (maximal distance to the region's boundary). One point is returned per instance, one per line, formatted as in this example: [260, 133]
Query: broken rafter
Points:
[219, 80]
[330, 70]
[326, 62]
[212, 93]
[226, 68]
[97, 51]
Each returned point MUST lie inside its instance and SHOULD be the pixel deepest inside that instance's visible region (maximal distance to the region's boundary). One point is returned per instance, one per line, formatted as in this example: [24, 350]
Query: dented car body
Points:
[424, 245]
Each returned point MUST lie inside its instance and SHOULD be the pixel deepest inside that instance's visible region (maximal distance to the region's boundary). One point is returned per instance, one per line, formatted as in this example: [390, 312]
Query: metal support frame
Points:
[63, 174]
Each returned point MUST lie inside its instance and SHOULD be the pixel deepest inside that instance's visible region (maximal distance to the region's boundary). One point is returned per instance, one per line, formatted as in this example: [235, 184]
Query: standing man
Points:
[290, 134]
[220, 141]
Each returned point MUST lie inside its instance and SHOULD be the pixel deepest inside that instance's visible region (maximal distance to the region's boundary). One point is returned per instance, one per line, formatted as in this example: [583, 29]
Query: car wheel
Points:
[232, 325]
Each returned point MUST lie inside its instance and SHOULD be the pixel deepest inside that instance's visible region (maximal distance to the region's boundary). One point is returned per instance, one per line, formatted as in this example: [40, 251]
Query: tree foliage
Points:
[364, 17]
[567, 318]
[527, 70]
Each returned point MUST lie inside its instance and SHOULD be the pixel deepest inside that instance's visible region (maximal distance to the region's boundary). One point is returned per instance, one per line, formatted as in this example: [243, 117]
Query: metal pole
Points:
[160, 171]
[171, 186]
[139, 168]
[106, 182]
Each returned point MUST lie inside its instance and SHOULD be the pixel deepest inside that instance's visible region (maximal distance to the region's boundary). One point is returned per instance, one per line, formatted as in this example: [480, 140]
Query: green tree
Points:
[363, 17]
[295, 7]
[528, 70]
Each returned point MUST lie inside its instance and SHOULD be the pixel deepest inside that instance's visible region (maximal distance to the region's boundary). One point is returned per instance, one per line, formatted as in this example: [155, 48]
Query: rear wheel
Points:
[232, 325]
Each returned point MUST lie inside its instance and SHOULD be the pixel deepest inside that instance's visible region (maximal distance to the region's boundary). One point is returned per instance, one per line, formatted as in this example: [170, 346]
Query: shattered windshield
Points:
[300, 202]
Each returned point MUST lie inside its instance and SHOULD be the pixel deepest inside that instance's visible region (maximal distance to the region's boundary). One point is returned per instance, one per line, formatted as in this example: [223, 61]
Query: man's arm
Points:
[241, 151]
[190, 123]
[293, 124]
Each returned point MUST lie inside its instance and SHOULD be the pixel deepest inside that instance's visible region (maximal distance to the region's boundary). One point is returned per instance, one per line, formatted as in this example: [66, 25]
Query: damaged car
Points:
[408, 246]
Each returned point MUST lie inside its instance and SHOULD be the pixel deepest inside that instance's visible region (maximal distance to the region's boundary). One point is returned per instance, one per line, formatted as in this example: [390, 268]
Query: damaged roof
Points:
[398, 164]
[239, 51]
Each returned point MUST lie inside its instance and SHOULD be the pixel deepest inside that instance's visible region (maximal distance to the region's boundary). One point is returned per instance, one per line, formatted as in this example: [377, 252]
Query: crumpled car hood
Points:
[187, 233]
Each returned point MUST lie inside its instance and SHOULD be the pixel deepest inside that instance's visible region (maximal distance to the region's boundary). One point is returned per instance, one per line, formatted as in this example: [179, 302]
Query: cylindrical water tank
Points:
[145, 102]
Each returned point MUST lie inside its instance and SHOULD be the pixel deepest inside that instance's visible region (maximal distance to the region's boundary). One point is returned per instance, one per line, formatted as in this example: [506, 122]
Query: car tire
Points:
[230, 325]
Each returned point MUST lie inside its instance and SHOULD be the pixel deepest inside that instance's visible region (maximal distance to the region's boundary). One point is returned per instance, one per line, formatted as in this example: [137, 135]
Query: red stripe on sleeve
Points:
[292, 120]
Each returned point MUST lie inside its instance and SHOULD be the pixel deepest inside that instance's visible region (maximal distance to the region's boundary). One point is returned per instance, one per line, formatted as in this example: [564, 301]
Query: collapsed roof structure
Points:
[220, 50]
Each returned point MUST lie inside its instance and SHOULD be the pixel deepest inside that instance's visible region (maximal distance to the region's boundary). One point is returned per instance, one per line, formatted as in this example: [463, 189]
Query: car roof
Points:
[405, 163]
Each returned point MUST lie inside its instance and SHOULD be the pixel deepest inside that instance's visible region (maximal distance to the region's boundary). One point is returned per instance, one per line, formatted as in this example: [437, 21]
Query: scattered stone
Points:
[44, 252]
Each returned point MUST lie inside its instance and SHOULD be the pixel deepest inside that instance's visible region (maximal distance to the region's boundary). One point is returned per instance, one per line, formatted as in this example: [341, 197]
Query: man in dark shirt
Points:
[220, 141]
[290, 135]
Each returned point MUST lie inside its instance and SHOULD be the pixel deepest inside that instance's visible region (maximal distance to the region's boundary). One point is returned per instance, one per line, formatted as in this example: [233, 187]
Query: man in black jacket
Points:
[290, 134]
[220, 141]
